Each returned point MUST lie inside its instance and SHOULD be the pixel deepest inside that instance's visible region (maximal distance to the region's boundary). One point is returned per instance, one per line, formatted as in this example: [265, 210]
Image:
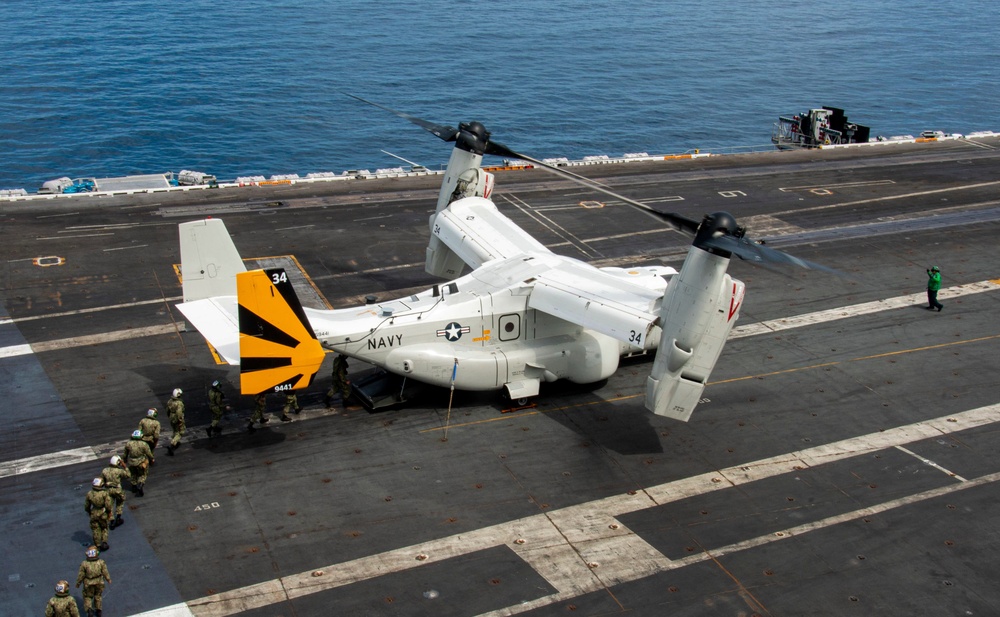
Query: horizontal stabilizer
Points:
[278, 349]
[217, 319]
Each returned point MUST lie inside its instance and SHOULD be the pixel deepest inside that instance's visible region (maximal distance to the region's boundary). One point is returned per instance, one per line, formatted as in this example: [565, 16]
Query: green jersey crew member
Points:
[933, 285]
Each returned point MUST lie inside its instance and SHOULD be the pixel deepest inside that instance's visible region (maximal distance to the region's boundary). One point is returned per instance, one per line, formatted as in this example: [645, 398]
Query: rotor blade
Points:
[677, 221]
[446, 133]
[751, 251]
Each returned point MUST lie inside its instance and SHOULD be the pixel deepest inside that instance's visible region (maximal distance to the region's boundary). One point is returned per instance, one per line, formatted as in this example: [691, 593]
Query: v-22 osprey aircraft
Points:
[522, 315]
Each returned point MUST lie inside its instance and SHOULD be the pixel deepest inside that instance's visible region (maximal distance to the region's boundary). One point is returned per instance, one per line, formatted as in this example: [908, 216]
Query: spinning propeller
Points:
[717, 233]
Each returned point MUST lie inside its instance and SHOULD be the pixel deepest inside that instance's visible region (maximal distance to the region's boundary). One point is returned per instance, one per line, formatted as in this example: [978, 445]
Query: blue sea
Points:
[115, 87]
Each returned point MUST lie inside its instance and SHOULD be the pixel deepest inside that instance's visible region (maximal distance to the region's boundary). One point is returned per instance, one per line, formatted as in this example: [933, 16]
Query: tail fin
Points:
[209, 260]
[278, 348]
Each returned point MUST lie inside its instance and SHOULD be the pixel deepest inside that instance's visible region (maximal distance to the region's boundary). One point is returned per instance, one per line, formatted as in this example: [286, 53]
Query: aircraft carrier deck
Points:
[844, 461]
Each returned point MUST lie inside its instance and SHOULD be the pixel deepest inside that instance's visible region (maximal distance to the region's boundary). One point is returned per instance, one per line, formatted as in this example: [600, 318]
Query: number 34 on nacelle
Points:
[521, 315]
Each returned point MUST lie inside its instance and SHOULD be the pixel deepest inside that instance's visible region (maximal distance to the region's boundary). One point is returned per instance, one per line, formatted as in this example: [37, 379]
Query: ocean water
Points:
[115, 87]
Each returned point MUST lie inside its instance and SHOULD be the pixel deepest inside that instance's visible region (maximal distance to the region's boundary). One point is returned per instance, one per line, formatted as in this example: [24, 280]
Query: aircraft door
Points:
[509, 327]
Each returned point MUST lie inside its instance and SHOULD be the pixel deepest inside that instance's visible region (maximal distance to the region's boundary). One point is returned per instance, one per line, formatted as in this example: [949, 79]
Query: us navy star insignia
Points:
[454, 331]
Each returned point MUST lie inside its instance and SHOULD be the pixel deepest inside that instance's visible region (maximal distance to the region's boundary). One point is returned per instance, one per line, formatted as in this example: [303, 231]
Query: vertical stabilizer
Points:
[278, 348]
[209, 260]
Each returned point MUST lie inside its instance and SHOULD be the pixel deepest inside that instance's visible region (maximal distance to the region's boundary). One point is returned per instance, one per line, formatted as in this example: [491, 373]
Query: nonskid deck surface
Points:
[843, 462]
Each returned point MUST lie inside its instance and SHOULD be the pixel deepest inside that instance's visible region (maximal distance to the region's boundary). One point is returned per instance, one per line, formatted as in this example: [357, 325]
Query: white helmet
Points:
[98, 482]
[116, 461]
[137, 433]
[177, 392]
[151, 412]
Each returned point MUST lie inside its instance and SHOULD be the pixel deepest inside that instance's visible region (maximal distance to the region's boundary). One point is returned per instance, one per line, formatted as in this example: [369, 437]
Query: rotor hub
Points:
[472, 137]
[714, 226]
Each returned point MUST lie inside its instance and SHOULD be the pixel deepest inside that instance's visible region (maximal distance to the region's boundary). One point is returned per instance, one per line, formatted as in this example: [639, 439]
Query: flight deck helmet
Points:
[62, 588]
[216, 384]
[97, 482]
[151, 412]
[177, 392]
[935, 269]
[116, 461]
[92, 553]
[137, 434]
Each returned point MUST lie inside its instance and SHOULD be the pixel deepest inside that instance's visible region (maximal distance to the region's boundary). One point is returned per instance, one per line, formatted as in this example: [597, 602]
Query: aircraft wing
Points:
[477, 232]
[217, 319]
[608, 303]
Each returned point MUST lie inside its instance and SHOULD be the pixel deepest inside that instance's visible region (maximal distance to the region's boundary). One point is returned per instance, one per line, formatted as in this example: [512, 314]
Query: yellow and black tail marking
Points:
[278, 348]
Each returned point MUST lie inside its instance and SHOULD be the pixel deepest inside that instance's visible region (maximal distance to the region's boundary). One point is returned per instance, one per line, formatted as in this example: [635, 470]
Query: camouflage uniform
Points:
[62, 605]
[341, 384]
[259, 410]
[93, 573]
[150, 428]
[138, 457]
[175, 409]
[216, 402]
[99, 506]
[291, 404]
[113, 476]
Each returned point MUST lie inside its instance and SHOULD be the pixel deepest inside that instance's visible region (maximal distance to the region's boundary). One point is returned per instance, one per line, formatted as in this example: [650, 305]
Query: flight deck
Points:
[842, 462]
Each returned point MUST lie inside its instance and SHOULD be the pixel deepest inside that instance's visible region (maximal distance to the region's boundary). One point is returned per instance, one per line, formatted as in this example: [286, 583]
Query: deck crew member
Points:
[99, 505]
[259, 411]
[62, 604]
[291, 405]
[138, 457]
[175, 411]
[216, 404]
[150, 428]
[113, 475]
[341, 384]
[92, 575]
[933, 285]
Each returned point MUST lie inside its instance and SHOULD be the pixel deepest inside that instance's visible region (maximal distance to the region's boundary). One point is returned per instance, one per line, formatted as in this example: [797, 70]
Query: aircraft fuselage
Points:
[478, 330]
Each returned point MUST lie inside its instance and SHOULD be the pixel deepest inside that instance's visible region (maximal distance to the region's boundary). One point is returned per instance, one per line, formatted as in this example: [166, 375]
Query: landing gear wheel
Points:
[521, 402]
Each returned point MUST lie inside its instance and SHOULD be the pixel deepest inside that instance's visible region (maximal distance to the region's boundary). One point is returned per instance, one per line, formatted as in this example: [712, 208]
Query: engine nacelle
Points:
[462, 169]
[700, 307]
